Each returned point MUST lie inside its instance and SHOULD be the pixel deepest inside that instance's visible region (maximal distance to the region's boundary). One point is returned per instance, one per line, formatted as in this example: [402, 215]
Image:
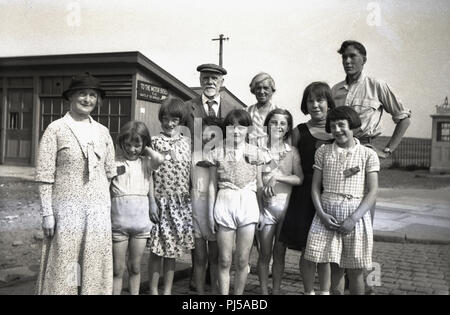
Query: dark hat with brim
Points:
[210, 67]
[81, 82]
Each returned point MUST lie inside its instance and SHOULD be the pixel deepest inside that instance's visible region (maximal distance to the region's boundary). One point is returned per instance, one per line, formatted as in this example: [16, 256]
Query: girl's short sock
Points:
[310, 293]
[323, 293]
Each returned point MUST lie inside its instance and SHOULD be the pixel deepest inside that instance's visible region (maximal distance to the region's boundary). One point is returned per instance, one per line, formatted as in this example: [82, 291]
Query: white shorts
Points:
[236, 208]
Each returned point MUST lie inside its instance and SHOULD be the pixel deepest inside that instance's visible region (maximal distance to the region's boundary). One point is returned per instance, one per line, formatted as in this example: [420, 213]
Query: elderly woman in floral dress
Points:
[75, 164]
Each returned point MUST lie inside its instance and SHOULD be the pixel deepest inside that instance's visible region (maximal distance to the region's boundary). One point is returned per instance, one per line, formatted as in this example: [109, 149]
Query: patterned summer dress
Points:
[78, 258]
[173, 235]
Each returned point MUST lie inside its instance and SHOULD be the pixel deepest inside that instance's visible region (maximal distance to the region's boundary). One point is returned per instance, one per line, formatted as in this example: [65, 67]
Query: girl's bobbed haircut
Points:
[174, 107]
[134, 130]
[239, 116]
[280, 111]
[320, 89]
[343, 113]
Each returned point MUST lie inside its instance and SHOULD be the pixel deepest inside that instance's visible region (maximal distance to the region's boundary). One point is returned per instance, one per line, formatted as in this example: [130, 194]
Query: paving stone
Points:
[441, 292]
[425, 290]
[439, 287]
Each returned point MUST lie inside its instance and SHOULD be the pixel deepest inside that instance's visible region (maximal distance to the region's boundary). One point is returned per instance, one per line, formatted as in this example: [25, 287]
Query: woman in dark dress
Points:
[307, 137]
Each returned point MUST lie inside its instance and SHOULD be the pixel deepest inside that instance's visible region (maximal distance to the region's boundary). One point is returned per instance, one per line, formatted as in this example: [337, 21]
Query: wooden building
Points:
[31, 87]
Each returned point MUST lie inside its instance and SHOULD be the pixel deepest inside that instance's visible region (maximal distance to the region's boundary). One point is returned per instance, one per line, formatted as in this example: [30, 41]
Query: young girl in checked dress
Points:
[170, 200]
[341, 232]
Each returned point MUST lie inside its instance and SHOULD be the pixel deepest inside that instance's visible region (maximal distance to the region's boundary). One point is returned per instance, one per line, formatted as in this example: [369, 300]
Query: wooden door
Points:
[19, 126]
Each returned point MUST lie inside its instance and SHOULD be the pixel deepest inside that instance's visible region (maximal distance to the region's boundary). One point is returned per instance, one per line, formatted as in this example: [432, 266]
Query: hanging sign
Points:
[148, 92]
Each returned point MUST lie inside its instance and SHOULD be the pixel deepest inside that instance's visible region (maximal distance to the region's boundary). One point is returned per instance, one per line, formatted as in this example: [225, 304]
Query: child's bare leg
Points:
[279, 253]
[169, 272]
[308, 272]
[119, 255]
[213, 255]
[356, 281]
[136, 249]
[244, 242]
[324, 271]
[337, 280]
[265, 237]
[225, 241]
[154, 266]
[200, 260]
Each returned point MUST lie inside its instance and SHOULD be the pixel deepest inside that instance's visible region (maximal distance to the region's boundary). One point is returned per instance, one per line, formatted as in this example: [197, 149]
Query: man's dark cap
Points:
[210, 67]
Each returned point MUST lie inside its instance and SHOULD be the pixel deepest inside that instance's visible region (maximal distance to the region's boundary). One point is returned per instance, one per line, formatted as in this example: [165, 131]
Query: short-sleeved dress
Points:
[129, 198]
[173, 235]
[78, 259]
[342, 194]
[301, 211]
[274, 208]
[236, 203]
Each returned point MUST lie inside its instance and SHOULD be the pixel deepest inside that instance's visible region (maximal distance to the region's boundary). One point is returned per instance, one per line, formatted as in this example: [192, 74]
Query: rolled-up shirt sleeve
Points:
[391, 103]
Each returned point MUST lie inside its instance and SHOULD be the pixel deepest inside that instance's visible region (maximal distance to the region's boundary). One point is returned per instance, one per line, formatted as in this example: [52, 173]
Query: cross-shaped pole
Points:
[221, 39]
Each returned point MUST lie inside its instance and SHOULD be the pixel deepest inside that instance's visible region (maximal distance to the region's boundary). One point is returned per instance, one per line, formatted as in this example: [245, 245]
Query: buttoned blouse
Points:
[133, 177]
[235, 171]
[369, 97]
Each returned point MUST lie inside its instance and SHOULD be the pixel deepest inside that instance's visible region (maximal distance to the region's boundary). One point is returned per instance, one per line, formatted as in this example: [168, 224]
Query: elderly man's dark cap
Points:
[85, 81]
[210, 67]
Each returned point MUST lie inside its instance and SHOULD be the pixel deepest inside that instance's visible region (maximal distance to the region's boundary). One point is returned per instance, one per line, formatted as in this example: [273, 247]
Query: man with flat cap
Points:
[210, 102]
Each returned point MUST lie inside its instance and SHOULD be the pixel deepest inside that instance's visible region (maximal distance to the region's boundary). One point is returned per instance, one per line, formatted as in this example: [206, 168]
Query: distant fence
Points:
[412, 152]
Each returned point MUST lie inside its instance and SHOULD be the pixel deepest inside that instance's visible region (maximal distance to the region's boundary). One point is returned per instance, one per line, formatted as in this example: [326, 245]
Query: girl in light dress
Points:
[278, 176]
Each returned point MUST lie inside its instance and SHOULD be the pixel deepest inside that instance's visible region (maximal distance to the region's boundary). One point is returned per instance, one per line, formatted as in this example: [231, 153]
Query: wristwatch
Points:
[387, 151]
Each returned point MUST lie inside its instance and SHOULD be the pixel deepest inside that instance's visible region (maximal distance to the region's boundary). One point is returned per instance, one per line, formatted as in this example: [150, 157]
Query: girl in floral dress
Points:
[170, 201]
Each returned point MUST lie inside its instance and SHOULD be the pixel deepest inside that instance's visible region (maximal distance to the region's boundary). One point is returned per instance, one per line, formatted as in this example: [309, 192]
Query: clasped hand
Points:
[330, 222]
[268, 189]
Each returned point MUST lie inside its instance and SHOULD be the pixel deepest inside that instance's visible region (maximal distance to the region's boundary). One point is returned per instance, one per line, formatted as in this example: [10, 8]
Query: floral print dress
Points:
[173, 235]
[78, 258]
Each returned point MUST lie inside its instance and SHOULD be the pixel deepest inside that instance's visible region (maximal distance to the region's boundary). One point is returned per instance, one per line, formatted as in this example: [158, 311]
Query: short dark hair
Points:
[132, 130]
[343, 113]
[357, 45]
[240, 116]
[174, 107]
[319, 89]
[281, 111]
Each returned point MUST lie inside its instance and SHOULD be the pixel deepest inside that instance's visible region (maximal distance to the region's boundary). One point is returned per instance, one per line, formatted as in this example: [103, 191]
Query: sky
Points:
[295, 41]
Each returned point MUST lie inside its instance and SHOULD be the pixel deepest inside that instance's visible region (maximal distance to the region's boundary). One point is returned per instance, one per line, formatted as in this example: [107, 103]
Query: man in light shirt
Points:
[370, 98]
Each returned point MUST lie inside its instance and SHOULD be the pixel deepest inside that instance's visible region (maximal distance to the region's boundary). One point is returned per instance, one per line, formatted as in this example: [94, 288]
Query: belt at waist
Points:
[341, 195]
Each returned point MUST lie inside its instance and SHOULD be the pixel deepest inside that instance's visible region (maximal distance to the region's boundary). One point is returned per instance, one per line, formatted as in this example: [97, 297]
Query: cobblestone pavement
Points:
[405, 269]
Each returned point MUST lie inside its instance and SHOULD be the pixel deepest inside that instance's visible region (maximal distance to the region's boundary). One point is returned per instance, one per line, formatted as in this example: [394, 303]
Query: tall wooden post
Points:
[221, 39]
